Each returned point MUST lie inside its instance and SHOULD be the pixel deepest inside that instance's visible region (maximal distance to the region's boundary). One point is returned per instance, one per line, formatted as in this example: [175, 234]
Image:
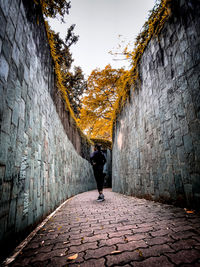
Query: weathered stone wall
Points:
[39, 165]
[156, 146]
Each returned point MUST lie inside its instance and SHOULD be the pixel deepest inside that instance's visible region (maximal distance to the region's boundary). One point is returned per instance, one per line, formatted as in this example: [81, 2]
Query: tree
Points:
[77, 86]
[73, 84]
[52, 8]
[103, 89]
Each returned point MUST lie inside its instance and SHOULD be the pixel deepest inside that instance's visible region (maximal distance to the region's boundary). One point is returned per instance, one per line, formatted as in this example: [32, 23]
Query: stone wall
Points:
[39, 141]
[156, 146]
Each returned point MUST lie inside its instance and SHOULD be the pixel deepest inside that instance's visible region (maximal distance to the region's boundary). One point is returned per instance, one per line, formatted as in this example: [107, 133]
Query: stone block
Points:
[4, 145]
[5, 197]
[20, 133]
[4, 69]
[181, 154]
[12, 213]
[195, 130]
[190, 113]
[0, 44]
[188, 145]
[178, 184]
[19, 217]
[26, 74]
[2, 174]
[18, 89]
[21, 109]
[2, 23]
[16, 54]
[21, 74]
[10, 30]
[6, 120]
[178, 137]
[10, 94]
[19, 34]
[13, 11]
[7, 49]
[3, 226]
[188, 193]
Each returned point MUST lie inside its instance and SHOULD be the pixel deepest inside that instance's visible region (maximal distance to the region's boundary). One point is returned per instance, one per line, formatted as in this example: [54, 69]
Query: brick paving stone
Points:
[156, 250]
[112, 241]
[133, 245]
[185, 256]
[146, 234]
[126, 265]
[184, 244]
[92, 263]
[183, 235]
[127, 227]
[154, 262]
[162, 232]
[83, 247]
[100, 252]
[120, 233]
[158, 240]
[136, 237]
[122, 258]
[196, 264]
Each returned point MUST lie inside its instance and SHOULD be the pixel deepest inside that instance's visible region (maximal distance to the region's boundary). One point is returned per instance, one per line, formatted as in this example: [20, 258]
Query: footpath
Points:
[121, 231]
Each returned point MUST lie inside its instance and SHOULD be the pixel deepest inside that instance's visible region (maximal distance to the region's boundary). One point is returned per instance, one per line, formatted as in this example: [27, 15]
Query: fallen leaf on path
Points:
[139, 252]
[115, 252]
[73, 257]
[51, 231]
[59, 228]
[189, 211]
[42, 242]
[65, 242]
[126, 239]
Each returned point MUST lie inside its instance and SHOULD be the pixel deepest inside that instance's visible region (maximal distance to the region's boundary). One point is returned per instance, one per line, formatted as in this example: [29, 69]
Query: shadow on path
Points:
[121, 231]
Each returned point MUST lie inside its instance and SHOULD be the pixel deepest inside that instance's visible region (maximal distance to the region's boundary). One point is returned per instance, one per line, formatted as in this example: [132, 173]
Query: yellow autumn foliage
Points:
[98, 103]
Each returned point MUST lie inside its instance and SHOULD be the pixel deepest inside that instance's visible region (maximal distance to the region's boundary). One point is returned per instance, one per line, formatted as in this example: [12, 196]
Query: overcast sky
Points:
[99, 24]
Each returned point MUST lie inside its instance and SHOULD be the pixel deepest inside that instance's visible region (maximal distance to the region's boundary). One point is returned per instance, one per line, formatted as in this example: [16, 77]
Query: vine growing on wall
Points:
[152, 27]
[71, 85]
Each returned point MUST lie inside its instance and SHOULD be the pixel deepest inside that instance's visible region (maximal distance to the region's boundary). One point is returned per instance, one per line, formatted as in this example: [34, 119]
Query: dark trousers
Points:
[99, 177]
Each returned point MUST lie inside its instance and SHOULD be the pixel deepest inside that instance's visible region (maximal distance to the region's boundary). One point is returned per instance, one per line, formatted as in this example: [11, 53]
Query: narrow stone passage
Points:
[121, 231]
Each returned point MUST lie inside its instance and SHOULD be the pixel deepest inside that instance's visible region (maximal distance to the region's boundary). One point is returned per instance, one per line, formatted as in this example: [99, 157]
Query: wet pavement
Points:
[121, 231]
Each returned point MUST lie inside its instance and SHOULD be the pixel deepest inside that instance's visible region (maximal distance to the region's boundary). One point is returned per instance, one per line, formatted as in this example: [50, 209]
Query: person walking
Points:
[98, 160]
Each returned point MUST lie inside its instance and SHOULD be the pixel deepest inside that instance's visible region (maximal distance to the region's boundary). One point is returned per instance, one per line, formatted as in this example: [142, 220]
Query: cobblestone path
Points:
[121, 231]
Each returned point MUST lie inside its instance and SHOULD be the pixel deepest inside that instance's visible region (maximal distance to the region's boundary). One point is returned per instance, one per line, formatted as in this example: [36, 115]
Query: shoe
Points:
[100, 198]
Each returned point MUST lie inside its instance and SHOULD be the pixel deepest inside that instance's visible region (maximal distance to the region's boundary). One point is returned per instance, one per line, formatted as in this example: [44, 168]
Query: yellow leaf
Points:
[190, 211]
[115, 252]
[73, 257]
[126, 239]
[139, 252]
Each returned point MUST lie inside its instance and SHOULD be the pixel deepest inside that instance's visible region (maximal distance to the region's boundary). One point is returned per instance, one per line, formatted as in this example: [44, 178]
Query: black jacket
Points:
[97, 159]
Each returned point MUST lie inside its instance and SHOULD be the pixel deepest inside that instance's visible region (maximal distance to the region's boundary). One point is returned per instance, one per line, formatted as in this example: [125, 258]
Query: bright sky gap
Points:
[103, 25]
